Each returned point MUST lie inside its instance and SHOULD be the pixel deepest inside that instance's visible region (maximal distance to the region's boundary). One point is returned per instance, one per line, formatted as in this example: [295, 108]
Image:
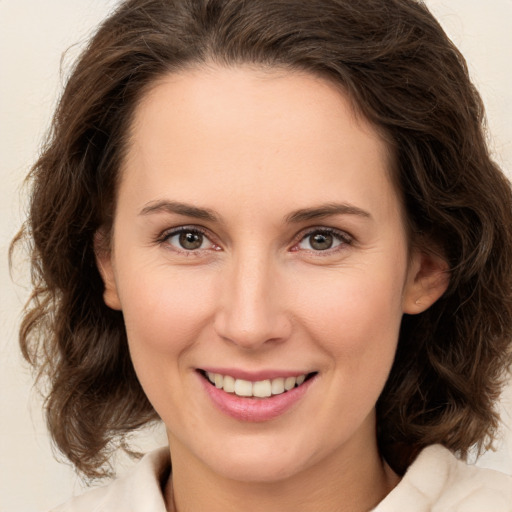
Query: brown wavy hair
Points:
[402, 73]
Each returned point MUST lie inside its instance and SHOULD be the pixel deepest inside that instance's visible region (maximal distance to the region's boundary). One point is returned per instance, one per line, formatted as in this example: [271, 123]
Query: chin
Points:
[258, 468]
[260, 459]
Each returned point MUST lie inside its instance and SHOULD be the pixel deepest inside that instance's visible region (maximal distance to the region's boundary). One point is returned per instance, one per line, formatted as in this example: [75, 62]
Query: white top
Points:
[435, 482]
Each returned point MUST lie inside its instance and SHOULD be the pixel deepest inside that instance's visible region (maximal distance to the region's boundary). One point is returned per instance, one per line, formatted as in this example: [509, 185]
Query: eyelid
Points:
[341, 235]
[164, 236]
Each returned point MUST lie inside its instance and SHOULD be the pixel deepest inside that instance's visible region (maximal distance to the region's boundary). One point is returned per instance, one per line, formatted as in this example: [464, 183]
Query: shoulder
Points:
[439, 482]
[140, 489]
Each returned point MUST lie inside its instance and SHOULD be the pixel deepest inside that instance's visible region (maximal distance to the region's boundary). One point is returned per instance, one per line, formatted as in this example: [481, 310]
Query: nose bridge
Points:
[251, 308]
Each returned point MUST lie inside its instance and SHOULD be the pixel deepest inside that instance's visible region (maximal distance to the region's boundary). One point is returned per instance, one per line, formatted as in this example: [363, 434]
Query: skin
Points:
[254, 147]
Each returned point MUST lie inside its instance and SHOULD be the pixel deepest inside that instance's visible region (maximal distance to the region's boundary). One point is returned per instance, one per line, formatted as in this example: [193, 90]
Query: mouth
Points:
[255, 389]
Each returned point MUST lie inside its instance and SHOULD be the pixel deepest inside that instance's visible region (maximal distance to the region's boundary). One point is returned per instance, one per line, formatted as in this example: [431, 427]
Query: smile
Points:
[258, 389]
[264, 397]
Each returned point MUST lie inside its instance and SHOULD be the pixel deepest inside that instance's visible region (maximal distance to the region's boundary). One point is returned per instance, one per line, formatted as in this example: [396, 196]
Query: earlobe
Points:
[427, 280]
[103, 255]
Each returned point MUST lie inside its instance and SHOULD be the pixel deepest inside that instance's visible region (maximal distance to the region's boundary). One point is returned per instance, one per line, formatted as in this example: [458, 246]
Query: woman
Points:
[276, 227]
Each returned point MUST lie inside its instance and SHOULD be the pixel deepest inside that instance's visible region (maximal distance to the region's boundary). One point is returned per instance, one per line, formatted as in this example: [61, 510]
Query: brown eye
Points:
[190, 240]
[324, 240]
[321, 241]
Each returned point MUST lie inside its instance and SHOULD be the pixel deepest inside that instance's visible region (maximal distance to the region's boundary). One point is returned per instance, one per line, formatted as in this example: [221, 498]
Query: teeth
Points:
[243, 387]
[219, 380]
[289, 383]
[277, 386]
[259, 389]
[228, 384]
[262, 389]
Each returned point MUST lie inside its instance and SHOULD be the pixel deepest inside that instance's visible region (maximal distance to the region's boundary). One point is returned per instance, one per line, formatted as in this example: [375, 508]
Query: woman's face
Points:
[257, 238]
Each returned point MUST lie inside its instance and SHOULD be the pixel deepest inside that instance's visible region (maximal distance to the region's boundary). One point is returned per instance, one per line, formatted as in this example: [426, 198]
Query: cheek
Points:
[354, 303]
[355, 321]
[165, 310]
[165, 313]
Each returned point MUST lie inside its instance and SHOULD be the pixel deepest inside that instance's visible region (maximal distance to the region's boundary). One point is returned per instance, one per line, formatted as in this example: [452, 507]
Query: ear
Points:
[103, 254]
[428, 278]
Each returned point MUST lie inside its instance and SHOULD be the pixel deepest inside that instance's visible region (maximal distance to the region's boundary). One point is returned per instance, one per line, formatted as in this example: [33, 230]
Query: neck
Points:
[351, 480]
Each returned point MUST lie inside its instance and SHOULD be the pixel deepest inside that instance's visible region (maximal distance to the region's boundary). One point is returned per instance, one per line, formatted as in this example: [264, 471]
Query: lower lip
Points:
[255, 409]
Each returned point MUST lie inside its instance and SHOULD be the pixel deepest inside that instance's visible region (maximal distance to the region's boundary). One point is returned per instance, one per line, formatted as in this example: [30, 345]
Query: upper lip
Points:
[254, 376]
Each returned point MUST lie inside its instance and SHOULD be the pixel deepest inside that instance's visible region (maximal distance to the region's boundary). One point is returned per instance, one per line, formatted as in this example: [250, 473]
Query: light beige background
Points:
[33, 36]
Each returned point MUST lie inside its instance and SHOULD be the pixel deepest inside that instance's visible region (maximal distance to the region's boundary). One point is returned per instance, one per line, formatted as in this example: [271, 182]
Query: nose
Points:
[251, 311]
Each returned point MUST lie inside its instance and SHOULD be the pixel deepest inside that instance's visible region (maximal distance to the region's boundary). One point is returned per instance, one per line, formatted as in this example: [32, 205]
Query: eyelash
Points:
[167, 235]
[342, 237]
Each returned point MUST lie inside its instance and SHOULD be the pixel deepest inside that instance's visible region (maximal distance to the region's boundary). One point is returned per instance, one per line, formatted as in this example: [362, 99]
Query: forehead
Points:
[246, 95]
[254, 130]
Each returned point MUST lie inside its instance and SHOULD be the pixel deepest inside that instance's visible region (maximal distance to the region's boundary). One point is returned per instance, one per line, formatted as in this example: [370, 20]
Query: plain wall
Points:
[33, 36]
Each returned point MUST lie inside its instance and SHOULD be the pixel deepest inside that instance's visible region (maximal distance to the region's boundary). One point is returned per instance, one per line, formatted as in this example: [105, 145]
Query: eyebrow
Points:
[302, 215]
[325, 210]
[176, 207]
